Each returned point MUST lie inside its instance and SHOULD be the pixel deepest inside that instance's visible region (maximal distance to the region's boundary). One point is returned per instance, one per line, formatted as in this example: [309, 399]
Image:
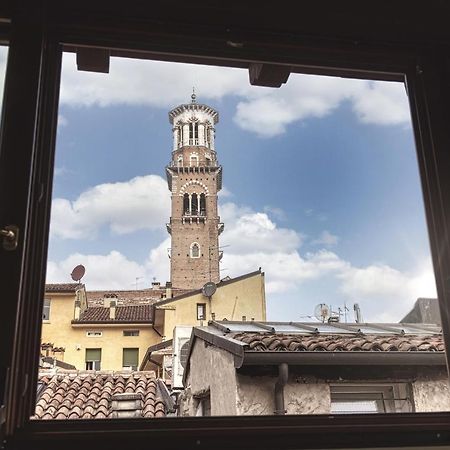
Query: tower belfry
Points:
[194, 177]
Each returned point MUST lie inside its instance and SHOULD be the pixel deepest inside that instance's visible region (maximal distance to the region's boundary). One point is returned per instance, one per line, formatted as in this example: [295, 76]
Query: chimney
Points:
[77, 312]
[112, 309]
[168, 289]
[126, 405]
[155, 285]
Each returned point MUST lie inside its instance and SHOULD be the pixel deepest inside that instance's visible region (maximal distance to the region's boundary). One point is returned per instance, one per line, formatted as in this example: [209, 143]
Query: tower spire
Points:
[193, 96]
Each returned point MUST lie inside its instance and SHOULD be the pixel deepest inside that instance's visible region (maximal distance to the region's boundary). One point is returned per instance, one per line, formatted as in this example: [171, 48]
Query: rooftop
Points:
[63, 287]
[89, 395]
[123, 314]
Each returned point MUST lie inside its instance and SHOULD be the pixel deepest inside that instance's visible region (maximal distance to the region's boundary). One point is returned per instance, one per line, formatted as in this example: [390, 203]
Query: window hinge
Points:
[10, 237]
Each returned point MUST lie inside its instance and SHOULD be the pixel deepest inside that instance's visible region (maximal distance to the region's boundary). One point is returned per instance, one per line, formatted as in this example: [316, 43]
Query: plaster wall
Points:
[231, 301]
[60, 332]
[211, 369]
[431, 395]
[256, 395]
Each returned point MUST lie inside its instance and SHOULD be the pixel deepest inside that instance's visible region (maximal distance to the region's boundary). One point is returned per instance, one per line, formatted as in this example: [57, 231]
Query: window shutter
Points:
[130, 357]
[93, 354]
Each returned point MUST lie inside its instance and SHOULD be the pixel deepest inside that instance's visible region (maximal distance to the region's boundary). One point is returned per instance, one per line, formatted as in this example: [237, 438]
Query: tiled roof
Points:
[63, 287]
[263, 342]
[126, 314]
[131, 297]
[89, 395]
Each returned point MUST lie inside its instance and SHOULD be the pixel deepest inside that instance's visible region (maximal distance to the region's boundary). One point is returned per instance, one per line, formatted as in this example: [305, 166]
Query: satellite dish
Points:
[78, 273]
[322, 312]
[209, 289]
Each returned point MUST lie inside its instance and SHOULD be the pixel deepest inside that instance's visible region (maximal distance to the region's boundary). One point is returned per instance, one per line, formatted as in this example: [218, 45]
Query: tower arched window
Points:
[207, 136]
[193, 160]
[195, 250]
[193, 133]
[179, 136]
[194, 204]
[202, 205]
[186, 208]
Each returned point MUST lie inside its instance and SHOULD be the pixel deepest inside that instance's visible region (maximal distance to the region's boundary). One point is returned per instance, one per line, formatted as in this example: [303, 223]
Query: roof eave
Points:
[362, 358]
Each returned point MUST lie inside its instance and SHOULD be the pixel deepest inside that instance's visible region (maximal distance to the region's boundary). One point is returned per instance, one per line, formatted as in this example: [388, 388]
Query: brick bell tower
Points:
[194, 177]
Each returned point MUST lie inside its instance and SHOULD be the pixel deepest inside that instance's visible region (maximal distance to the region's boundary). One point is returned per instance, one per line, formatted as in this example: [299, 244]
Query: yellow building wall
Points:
[60, 332]
[231, 301]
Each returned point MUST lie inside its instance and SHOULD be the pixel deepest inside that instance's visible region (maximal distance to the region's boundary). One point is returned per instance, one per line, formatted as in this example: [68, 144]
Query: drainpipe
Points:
[283, 373]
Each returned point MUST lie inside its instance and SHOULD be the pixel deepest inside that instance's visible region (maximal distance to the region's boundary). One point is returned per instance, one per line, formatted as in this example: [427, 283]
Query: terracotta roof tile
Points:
[264, 342]
[126, 314]
[63, 287]
[88, 395]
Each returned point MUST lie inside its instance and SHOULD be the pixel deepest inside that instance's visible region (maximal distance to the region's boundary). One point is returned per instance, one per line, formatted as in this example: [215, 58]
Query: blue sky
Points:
[321, 185]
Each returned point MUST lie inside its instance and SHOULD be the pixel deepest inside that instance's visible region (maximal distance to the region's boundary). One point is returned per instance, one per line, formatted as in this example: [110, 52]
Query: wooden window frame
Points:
[39, 32]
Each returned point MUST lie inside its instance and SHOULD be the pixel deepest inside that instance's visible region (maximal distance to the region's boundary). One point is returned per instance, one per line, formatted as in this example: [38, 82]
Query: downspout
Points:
[283, 373]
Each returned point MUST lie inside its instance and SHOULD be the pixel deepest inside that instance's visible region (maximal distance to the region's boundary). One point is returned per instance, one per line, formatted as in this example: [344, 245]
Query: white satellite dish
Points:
[322, 312]
[209, 289]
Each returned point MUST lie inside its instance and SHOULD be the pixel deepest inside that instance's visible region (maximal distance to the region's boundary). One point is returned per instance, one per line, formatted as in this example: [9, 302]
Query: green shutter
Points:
[93, 354]
[130, 357]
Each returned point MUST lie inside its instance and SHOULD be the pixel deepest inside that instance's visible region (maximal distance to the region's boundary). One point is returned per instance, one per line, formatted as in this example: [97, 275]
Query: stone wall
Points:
[431, 395]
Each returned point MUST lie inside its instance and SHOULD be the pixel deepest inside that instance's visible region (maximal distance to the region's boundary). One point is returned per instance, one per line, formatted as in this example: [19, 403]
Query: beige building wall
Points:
[62, 333]
[232, 300]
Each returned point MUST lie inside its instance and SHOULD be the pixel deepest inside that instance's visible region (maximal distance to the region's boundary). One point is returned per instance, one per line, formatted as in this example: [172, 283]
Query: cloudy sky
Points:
[321, 186]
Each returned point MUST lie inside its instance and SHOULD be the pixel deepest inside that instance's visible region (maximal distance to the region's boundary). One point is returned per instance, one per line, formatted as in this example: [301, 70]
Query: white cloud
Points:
[62, 121]
[326, 238]
[254, 231]
[111, 271]
[254, 240]
[382, 104]
[266, 112]
[140, 203]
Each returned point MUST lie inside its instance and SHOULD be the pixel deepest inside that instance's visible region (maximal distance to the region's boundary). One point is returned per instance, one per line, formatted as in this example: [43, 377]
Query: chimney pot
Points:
[112, 309]
[77, 311]
[126, 405]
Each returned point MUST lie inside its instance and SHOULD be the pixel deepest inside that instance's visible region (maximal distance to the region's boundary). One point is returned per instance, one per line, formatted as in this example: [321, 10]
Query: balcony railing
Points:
[201, 163]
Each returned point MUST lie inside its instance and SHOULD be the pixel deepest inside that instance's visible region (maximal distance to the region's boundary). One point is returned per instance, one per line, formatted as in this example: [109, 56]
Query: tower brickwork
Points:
[194, 177]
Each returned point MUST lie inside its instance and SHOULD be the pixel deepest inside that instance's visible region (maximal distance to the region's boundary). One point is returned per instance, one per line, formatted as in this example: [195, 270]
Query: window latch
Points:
[10, 237]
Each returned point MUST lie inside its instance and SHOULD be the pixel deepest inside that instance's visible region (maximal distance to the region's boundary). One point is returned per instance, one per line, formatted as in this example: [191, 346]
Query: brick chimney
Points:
[126, 405]
[112, 309]
[77, 311]
[156, 285]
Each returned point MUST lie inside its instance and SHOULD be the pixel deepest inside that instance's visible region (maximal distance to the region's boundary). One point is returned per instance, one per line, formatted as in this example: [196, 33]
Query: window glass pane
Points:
[293, 215]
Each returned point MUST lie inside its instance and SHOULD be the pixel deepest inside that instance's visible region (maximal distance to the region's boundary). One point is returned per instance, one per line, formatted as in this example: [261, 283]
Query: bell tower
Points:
[194, 177]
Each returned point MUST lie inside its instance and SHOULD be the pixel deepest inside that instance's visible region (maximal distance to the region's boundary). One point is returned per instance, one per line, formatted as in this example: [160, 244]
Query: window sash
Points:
[427, 76]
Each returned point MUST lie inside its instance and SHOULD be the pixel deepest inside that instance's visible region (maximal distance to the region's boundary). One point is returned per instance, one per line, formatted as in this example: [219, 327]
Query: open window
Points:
[37, 112]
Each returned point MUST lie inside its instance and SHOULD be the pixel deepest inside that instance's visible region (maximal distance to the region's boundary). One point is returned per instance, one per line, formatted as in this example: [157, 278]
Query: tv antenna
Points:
[322, 312]
[78, 273]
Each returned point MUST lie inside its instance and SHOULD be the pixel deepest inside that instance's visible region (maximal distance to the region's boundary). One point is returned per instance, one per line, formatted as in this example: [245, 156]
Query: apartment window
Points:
[46, 309]
[93, 358]
[131, 332]
[130, 358]
[94, 333]
[195, 250]
[201, 311]
[370, 398]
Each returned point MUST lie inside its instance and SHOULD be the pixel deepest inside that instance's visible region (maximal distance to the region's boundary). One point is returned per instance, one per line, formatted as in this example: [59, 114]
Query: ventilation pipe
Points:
[283, 374]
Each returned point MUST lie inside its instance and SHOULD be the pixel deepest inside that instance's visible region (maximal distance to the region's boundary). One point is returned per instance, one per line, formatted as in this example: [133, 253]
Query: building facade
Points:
[277, 368]
[194, 177]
